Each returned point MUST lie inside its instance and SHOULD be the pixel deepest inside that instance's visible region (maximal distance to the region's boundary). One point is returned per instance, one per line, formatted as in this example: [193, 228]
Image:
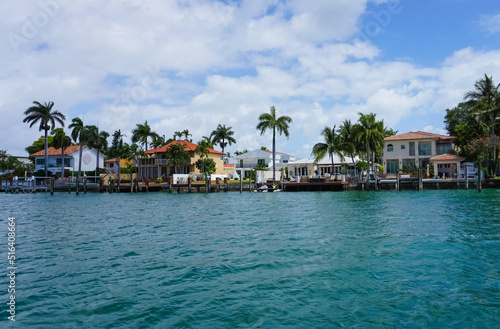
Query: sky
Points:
[194, 64]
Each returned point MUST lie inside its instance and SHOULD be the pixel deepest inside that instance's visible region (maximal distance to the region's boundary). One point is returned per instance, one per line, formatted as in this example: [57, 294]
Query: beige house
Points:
[420, 149]
[155, 163]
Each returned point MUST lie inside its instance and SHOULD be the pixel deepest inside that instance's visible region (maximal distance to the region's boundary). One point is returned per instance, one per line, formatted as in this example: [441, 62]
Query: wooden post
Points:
[466, 177]
[189, 184]
[84, 184]
[480, 183]
[77, 186]
[131, 182]
[51, 185]
[241, 181]
[420, 180]
[217, 182]
[398, 182]
[225, 184]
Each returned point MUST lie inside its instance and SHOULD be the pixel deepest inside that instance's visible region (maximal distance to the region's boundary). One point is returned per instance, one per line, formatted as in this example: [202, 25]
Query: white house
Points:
[249, 160]
[308, 167]
[71, 158]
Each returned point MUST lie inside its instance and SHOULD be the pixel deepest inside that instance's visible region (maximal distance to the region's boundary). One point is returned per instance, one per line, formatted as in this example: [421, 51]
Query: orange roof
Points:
[190, 147]
[53, 151]
[448, 157]
[112, 160]
[417, 135]
[229, 165]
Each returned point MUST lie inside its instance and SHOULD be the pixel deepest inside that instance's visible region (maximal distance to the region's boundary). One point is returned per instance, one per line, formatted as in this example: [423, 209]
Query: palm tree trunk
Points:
[333, 164]
[46, 152]
[62, 162]
[274, 155]
[368, 167]
[80, 161]
[493, 168]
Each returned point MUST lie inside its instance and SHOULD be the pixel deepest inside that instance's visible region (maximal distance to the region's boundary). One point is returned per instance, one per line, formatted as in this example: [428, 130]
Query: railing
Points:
[161, 161]
[249, 165]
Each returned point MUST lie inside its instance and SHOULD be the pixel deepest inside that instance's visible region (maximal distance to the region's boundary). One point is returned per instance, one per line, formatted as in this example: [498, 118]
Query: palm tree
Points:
[281, 124]
[223, 135]
[370, 135]
[97, 140]
[160, 141]
[203, 150]
[61, 140]
[331, 146]
[487, 98]
[47, 118]
[186, 134]
[177, 155]
[79, 135]
[347, 133]
[178, 134]
[141, 134]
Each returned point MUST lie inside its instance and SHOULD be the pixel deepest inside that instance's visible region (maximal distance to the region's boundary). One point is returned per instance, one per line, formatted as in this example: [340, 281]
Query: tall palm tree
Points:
[141, 134]
[158, 142]
[177, 155]
[61, 140]
[331, 146]
[347, 133]
[486, 97]
[79, 135]
[280, 124]
[47, 119]
[223, 135]
[370, 135]
[98, 140]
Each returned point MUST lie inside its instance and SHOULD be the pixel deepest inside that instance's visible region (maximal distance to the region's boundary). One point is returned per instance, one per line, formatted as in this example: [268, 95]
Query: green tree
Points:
[47, 118]
[39, 144]
[348, 143]
[141, 134]
[223, 136]
[271, 122]
[117, 148]
[79, 135]
[177, 155]
[62, 141]
[186, 135]
[98, 140]
[206, 165]
[332, 145]
[370, 135]
[486, 97]
[178, 134]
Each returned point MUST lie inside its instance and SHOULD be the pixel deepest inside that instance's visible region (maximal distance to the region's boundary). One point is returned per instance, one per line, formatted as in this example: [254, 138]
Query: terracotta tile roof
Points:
[53, 151]
[187, 145]
[229, 165]
[112, 160]
[448, 157]
[418, 135]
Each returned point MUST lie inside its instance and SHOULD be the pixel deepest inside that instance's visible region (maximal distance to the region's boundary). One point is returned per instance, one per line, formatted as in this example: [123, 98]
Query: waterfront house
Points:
[155, 164]
[71, 158]
[112, 164]
[252, 159]
[308, 167]
[418, 149]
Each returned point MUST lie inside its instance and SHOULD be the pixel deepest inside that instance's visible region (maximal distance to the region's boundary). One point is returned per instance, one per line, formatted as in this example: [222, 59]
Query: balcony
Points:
[160, 162]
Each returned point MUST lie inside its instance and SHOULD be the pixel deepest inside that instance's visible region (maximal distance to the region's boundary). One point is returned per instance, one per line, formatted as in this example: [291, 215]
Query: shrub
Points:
[159, 180]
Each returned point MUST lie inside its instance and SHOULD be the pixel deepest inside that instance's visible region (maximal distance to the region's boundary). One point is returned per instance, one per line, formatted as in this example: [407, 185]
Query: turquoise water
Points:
[426, 259]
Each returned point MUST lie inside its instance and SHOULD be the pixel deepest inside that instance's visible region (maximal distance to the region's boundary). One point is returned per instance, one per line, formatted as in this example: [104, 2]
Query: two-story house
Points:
[155, 164]
[256, 158]
[418, 149]
[71, 158]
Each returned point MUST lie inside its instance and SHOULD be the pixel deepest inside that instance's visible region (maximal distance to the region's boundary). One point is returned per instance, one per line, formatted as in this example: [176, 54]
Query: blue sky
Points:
[193, 64]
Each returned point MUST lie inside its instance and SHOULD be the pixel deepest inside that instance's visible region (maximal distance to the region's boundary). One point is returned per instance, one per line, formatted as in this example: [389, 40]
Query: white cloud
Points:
[491, 23]
[197, 63]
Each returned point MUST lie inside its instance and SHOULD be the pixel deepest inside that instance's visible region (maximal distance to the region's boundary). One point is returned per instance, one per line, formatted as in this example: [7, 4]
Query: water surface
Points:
[229, 260]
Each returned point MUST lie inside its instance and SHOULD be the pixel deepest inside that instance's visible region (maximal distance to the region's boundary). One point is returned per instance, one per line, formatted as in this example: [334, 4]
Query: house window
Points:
[444, 149]
[403, 146]
[424, 149]
[40, 161]
[390, 148]
[261, 162]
